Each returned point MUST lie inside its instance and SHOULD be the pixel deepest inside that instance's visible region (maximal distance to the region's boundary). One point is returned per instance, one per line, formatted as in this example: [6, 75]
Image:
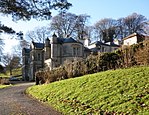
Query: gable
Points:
[133, 39]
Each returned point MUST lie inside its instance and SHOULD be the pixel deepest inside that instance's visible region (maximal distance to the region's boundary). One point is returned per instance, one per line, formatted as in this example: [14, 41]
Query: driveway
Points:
[13, 101]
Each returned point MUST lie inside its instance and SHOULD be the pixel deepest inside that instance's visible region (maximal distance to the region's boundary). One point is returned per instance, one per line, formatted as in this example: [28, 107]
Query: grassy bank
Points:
[4, 86]
[123, 91]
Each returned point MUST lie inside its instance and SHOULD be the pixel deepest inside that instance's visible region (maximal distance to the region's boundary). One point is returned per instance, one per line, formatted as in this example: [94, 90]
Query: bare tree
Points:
[64, 24]
[68, 24]
[131, 24]
[1, 46]
[135, 23]
[105, 29]
[38, 34]
[11, 62]
[121, 30]
[82, 30]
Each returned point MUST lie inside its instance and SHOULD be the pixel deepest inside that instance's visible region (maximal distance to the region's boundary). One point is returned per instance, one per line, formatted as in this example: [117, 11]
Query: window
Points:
[38, 56]
[76, 51]
[103, 49]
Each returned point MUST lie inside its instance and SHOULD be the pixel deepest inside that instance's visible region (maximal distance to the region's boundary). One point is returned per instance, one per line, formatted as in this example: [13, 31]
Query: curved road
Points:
[13, 101]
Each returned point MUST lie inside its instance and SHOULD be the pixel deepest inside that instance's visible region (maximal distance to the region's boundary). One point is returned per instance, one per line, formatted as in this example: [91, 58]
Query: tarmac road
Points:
[13, 101]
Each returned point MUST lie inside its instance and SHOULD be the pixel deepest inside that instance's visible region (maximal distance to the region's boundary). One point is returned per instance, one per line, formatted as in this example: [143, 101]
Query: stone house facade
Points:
[99, 46]
[32, 60]
[52, 54]
[56, 51]
[134, 39]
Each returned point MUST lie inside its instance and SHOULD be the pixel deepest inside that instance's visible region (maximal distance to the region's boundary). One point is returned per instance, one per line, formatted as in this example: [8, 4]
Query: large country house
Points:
[55, 51]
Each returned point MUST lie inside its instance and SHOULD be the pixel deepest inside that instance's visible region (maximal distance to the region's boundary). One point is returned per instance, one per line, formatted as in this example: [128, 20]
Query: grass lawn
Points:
[4, 75]
[123, 91]
[4, 86]
[15, 72]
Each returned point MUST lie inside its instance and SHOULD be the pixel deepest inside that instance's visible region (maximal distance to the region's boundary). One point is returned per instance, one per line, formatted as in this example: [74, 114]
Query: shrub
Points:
[142, 54]
[4, 81]
[126, 56]
[92, 64]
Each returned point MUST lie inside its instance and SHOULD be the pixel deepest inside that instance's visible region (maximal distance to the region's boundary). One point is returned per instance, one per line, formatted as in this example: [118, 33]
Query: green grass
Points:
[4, 86]
[15, 72]
[123, 91]
[4, 75]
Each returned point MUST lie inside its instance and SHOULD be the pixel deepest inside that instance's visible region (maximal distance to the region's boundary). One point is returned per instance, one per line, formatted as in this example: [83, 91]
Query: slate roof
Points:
[27, 50]
[67, 40]
[87, 49]
[105, 44]
[95, 49]
[38, 45]
[113, 44]
[100, 43]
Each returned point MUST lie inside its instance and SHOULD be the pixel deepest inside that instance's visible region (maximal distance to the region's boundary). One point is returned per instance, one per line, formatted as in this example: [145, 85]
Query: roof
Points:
[131, 35]
[138, 35]
[106, 44]
[87, 49]
[113, 44]
[67, 40]
[27, 50]
[100, 43]
[38, 45]
[95, 49]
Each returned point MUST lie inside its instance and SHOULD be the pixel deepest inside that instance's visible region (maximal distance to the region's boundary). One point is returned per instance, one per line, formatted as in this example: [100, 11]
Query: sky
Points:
[97, 9]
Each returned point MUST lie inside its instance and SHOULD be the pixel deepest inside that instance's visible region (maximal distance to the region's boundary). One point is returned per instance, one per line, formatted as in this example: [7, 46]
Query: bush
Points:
[75, 68]
[127, 56]
[4, 81]
[142, 54]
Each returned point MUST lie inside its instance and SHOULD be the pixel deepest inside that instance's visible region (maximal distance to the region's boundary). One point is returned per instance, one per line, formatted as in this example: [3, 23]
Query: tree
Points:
[135, 23]
[38, 34]
[4, 29]
[27, 9]
[106, 29]
[64, 24]
[1, 46]
[82, 29]
[11, 62]
[121, 30]
[1, 69]
[131, 24]
[68, 24]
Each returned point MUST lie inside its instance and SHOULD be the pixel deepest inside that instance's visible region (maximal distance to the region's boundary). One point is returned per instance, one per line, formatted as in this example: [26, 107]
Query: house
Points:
[58, 50]
[55, 51]
[134, 39]
[52, 54]
[32, 60]
[99, 46]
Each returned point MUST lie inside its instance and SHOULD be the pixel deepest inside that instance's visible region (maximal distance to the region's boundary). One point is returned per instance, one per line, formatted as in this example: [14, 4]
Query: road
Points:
[13, 101]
